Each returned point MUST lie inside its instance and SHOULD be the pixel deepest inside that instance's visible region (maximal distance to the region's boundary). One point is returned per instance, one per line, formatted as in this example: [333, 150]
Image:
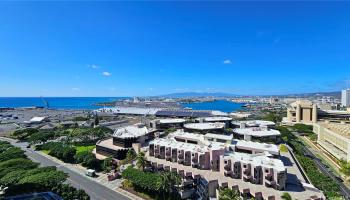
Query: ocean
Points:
[221, 105]
[56, 102]
[89, 103]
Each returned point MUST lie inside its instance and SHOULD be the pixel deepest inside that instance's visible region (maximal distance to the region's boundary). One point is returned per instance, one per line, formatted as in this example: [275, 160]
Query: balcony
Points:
[269, 177]
[174, 159]
[247, 177]
[270, 182]
[195, 165]
[227, 167]
[246, 171]
[187, 193]
[180, 160]
[228, 174]
[195, 160]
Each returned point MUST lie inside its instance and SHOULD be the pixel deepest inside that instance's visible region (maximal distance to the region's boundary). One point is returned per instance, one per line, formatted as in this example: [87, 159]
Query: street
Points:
[95, 190]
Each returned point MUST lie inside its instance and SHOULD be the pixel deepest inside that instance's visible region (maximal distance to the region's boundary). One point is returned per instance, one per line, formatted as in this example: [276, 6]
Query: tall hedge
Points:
[144, 180]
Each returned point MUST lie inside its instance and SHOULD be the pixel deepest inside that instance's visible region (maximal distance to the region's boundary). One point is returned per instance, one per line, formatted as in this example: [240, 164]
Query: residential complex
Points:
[263, 134]
[206, 127]
[211, 152]
[123, 139]
[254, 169]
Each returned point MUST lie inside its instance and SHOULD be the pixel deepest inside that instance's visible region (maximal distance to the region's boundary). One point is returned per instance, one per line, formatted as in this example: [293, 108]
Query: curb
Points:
[118, 190]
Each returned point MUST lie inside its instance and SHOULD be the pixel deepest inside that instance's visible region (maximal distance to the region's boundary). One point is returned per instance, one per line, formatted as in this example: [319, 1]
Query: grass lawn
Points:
[84, 148]
[46, 151]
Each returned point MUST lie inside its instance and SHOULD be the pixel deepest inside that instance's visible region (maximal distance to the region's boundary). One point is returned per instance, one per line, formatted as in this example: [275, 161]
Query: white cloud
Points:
[76, 89]
[106, 74]
[94, 66]
[227, 62]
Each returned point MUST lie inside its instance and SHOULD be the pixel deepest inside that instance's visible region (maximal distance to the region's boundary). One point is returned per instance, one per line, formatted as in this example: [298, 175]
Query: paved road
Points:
[343, 189]
[95, 190]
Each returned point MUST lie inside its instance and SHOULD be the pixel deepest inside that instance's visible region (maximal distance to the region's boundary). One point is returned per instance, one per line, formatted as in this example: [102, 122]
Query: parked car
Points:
[90, 172]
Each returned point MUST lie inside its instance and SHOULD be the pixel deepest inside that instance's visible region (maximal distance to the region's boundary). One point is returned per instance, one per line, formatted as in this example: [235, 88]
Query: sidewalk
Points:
[101, 179]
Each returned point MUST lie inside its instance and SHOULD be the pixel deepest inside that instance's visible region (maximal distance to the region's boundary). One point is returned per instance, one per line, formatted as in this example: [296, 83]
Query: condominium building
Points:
[123, 140]
[205, 165]
[345, 98]
[302, 111]
[335, 138]
[162, 124]
[254, 168]
[253, 123]
[206, 127]
[262, 134]
[226, 120]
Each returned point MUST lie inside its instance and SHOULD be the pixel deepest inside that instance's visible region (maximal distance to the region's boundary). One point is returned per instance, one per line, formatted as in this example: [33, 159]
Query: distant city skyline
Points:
[156, 48]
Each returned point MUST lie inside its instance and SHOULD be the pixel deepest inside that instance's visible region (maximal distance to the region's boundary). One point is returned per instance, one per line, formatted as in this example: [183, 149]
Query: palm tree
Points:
[286, 196]
[164, 183]
[228, 194]
[175, 180]
[141, 160]
[130, 155]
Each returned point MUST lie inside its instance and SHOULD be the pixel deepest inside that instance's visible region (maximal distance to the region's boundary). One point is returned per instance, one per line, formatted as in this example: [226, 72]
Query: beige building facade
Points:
[335, 138]
[302, 111]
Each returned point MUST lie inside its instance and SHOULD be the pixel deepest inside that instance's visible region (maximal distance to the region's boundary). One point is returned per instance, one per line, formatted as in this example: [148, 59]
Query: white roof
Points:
[180, 133]
[218, 136]
[256, 160]
[37, 119]
[218, 113]
[253, 123]
[171, 121]
[132, 131]
[199, 148]
[217, 119]
[256, 131]
[240, 114]
[205, 126]
[257, 146]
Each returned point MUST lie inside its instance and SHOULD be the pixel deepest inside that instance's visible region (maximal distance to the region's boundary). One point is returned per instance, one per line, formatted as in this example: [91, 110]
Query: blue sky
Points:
[150, 48]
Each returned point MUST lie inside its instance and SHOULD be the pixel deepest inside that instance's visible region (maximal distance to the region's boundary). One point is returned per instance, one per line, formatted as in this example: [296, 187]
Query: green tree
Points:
[107, 164]
[45, 179]
[15, 165]
[97, 121]
[23, 134]
[345, 167]
[228, 194]
[169, 181]
[130, 155]
[12, 153]
[286, 196]
[91, 162]
[141, 160]
[41, 137]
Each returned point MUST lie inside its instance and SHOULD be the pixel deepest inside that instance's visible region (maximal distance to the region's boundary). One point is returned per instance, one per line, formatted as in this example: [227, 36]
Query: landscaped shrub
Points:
[64, 152]
[145, 180]
[23, 134]
[320, 180]
[12, 153]
[21, 176]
